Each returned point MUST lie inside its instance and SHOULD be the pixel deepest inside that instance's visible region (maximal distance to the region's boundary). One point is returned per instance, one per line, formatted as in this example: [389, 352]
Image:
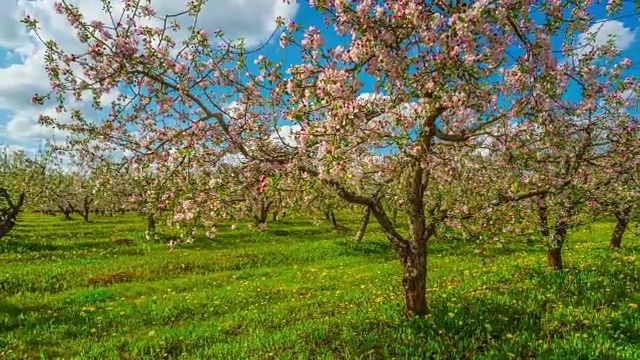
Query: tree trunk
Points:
[86, 207]
[275, 216]
[543, 218]
[66, 211]
[151, 222]
[554, 254]
[264, 213]
[622, 215]
[363, 224]
[333, 219]
[414, 280]
[556, 241]
[9, 215]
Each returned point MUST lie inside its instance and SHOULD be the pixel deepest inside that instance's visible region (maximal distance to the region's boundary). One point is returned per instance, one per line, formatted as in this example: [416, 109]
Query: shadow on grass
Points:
[20, 247]
[11, 314]
[530, 323]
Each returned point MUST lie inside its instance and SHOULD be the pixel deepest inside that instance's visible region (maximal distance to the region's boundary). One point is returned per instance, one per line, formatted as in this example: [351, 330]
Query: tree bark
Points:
[86, 208]
[554, 255]
[556, 241]
[9, 215]
[414, 280]
[151, 222]
[622, 215]
[264, 213]
[333, 219]
[363, 224]
[66, 211]
[543, 218]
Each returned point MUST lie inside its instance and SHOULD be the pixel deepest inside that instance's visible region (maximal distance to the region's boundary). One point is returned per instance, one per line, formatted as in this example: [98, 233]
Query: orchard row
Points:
[492, 117]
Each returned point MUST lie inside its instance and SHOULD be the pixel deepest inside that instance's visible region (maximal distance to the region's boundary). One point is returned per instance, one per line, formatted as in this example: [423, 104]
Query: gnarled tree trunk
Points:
[622, 215]
[9, 215]
[66, 211]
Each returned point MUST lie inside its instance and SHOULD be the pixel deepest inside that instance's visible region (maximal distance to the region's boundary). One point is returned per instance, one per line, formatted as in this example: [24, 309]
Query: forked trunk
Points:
[621, 226]
[9, 215]
[264, 213]
[86, 208]
[363, 224]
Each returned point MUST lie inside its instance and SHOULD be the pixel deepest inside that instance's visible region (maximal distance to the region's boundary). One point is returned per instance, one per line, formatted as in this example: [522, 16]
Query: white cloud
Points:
[24, 75]
[24, 125]
[600, 33]
[286, 135]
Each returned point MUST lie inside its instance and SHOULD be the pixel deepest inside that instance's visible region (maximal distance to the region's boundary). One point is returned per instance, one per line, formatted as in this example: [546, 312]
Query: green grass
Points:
[303, 291]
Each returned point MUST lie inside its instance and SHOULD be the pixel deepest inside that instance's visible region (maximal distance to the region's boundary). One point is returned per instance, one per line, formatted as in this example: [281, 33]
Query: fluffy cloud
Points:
[600, 33]
[22, 69]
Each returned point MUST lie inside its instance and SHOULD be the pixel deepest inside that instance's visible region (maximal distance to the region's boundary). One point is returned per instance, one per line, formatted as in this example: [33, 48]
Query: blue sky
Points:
[21, 72]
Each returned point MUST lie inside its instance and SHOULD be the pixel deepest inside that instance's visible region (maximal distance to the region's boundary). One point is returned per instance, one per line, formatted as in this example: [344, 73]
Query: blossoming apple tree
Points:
[443, 74]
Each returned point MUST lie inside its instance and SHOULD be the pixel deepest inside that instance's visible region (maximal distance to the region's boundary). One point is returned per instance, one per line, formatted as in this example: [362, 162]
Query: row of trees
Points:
[484, 116]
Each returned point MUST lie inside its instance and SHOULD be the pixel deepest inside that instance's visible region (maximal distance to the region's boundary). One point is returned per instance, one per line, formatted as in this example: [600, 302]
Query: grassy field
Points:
[302, 291]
